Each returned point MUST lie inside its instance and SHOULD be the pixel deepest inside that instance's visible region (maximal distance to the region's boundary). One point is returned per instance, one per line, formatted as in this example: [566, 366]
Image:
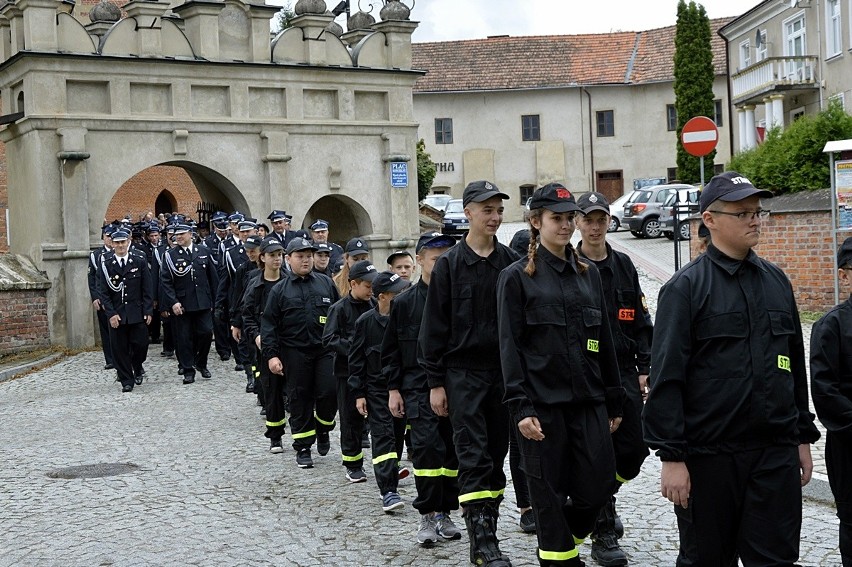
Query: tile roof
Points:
[505, 62]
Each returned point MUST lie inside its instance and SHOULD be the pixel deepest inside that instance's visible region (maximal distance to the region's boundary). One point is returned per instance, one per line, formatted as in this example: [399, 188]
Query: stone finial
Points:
[105, 11]
[395, 10]
[334, 28]
[360, 20]
[310, 7]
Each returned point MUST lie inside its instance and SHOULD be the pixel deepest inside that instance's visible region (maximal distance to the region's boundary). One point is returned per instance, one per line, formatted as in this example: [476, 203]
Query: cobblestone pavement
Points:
[208, 492]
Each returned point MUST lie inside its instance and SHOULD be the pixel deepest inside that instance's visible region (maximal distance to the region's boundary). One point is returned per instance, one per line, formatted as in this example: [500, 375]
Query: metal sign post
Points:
[698, 137]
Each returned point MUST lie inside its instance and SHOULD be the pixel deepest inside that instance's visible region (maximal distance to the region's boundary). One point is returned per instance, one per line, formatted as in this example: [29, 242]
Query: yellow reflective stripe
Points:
[310, 433]
[357, 457]
[579, 540]
[329, 423]
[276, 423]
[436, 472]
[592, 345]
[385, 457]
[784, 363]
[493, 494]
[558, 555]
[450, 472]
[621, 479]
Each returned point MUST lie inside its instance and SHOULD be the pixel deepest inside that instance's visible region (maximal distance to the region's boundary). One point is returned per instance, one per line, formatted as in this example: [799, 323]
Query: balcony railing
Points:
[774, 74]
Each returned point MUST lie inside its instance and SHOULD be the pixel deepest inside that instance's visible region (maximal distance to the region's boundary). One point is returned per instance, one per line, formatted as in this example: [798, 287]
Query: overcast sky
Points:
[442, 20]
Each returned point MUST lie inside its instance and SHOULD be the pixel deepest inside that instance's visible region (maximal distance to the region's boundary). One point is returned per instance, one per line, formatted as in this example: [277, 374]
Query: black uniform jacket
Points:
[555, 342]
[340, 327]
[189, 280]
[233, 259]
[230, 242]
[831, 369]
[94, 269]
[459, 328]
[728, 361]
[296, 313]
[365, 356]
[237, 291]
[627, 311]
[335, 261]
[400, 348]
[128, 291]
[254, 302]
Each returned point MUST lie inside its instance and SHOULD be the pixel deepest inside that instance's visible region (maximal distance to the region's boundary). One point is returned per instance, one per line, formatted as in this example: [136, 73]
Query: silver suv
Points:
[642, 210]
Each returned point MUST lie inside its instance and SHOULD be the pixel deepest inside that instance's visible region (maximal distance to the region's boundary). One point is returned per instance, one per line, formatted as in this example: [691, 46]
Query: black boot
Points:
[249, 382]
[481, 522]
[605, 549]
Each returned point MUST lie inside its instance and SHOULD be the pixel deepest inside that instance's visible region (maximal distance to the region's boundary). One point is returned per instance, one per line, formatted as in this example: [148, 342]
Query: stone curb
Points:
[12, 371]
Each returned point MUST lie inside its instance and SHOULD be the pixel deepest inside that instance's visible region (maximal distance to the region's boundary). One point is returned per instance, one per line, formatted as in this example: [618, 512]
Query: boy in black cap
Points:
[235, 310]
[94, 266]
[728, 408]
[291, 330]
[460, 352]
[401, 263]
[831, 387]
[432, 451]
[322, 259]
[632, 330]
[319, 234]
[369, 388]
[232, 259]
[337, 337]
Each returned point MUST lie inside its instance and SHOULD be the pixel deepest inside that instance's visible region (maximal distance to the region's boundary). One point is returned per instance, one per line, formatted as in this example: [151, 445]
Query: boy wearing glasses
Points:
[831, 386]
[728, 408]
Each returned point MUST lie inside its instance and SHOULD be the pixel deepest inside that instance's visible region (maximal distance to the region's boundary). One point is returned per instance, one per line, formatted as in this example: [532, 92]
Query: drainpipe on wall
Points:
[591, 143]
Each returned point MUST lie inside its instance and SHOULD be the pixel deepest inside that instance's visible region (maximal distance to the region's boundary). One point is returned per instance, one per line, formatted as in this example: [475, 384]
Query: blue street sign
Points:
[399, 174]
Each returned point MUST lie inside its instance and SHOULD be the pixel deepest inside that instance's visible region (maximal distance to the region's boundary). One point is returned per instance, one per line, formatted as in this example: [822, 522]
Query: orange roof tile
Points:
[504, 62]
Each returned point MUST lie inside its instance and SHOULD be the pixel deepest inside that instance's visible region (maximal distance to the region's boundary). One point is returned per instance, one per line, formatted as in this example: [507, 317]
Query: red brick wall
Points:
[23, 320]
[137, 196]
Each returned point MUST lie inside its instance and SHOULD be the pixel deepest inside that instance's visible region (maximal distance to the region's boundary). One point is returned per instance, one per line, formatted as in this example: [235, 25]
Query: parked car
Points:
[642, 209]
[437, 201]
[454, 220]
[616, 212]
[688, 203]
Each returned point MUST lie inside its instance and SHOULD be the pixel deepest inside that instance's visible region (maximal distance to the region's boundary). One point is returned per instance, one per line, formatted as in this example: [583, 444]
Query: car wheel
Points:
[683, 231]
[651, 227]
[668, 234]
[613, 225]
[637, 234]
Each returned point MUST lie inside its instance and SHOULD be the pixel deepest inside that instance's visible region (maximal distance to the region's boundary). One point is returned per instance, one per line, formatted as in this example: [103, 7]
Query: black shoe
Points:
[249, 385]
[109, 366]
[527, 522]
[262, 411]
[224, 357]
[205, 373]
[188, 379]
[275, 446]
[605, 548]
[239, 367]
[127, 388]
[304, 460]
[323, 443]
[138, 379]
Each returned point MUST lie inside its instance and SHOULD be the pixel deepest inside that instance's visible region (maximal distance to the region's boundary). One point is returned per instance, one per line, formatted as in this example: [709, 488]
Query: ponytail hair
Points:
[533, 247]
[341, 280]
[581, 266]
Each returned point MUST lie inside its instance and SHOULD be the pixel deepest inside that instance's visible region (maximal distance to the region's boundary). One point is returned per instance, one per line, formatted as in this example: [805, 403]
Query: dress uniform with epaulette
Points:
[214, 242]
[125, 288]
[188, 280]
[280, 221]
[94, 266]
[232, 258]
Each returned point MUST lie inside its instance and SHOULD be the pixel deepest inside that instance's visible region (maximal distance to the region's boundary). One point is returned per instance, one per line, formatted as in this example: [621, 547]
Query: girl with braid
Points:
[562, 382]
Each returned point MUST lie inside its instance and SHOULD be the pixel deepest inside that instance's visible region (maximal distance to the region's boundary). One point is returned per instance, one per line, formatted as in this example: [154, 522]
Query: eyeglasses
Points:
[743, 215]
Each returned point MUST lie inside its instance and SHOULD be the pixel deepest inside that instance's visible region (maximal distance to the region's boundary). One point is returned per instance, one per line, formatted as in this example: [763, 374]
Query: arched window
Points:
[165, 203]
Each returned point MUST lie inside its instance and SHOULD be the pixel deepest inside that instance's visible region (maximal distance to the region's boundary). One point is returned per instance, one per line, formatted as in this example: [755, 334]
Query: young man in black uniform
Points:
[369, 388]
[632, 330]
[322, 259]
[232, 258]
[458, 340]
[94, 266]
[125, 289]
[291, 338]
[214, 241]
[189, 280]
[235, 307]
[337, 337]
[432, 451]
[319, 234]
[831, 386]
[154, 252]
[728, 408]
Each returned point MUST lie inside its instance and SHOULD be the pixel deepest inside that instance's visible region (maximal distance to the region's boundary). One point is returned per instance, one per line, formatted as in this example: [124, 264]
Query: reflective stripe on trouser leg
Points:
[558, 555]
[300, 389]
[351, 425]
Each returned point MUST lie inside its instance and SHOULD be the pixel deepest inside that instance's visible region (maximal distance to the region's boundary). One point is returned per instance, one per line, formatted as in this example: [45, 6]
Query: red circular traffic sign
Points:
[699, 136]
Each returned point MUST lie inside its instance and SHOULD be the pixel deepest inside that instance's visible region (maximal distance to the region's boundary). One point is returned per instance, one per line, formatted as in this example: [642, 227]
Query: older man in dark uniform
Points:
[94, 265]
[125, 289]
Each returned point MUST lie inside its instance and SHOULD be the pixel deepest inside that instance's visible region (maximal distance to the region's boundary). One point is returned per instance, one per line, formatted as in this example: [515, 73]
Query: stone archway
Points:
[346, 218]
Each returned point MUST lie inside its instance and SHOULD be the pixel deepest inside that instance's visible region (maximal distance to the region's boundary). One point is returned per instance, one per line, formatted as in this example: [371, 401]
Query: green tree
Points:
[792, 160]
[426, 170]
[693, 83]
[283, 17]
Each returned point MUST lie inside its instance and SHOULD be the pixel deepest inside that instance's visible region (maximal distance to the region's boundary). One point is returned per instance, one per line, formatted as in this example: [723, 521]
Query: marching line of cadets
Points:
[538, 350]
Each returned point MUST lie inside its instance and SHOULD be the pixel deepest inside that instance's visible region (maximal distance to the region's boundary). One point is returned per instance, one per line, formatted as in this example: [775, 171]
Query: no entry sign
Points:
[699, 136]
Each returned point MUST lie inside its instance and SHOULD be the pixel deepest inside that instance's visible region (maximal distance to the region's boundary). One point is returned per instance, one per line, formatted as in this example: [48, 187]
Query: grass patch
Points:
[810, 316]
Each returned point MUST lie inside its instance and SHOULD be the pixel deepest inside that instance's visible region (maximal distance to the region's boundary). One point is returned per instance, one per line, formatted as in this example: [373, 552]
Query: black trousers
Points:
[103, 327]
[630, 448]
[193, 334]
[838, 460]
[746, 504]
[575, 459]
[154, 327]
[383, 439]
[433, 455]
[246, 354]
[480, 432]
[312, 391]
[130, 349]
[168, 333]
[272, 388]
[222, 336]
[519, 477]
[351, 426]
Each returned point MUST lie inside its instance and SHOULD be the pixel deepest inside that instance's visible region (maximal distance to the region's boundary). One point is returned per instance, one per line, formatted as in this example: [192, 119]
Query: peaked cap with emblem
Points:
[553, 197]
[593, 201]
[357, 246]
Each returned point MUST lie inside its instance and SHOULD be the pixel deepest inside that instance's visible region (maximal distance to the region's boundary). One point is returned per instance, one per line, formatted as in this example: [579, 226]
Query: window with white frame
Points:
[839, 98]
[795, 44]
[833, 28]
[745, 54]
[762, 50]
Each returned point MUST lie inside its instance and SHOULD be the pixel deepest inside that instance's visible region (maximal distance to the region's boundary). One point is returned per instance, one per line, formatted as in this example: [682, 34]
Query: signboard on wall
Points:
[843, 187]
[399, 174]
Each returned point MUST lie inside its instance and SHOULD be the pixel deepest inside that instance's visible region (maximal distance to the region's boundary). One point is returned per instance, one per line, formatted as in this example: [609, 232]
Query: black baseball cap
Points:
[253, 242]
[554, 197]
[396, 253]
[269, 244]
[729, 186]
[593, 201]
[478, 191]
[434, 240]
[299, 244]
[844, 254]
[389, 281]
[323, 247]
[357, 246]
[363, 270]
